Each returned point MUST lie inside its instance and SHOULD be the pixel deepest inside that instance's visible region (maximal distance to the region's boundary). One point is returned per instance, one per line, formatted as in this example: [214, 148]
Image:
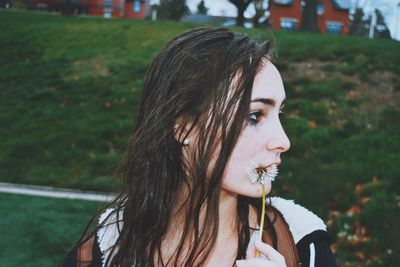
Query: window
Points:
[284, 2]
[289, 24]
[334, 27]
[136, 6]
[42, 6]
[320, 9]
[107, 12]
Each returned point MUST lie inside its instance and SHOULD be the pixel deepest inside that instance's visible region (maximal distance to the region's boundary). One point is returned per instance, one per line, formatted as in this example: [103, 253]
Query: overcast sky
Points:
[389, 8]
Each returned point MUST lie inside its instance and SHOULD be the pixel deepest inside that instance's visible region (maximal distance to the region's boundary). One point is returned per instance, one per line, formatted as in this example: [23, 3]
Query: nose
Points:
[278, 140]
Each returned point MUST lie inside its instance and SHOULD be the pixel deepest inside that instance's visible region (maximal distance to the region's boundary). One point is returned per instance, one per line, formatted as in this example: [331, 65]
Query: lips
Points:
[262, 174]
[268, 165]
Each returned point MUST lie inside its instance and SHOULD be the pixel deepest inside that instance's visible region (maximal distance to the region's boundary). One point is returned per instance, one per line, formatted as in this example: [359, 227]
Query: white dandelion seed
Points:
[261, 174]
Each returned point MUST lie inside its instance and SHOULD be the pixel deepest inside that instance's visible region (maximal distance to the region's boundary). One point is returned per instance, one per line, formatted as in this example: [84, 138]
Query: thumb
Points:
[251, 251]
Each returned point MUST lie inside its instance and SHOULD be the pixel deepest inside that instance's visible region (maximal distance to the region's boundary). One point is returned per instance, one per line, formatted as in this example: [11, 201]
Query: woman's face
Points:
[263, 138]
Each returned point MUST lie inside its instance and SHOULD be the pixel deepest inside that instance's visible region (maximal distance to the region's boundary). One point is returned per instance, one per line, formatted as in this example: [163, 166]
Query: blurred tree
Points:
[201, 8]
[261, 7]
[381, 29]
[358, 25]
[172, 9]
[67, 8]
[241, 6]
[310, 17]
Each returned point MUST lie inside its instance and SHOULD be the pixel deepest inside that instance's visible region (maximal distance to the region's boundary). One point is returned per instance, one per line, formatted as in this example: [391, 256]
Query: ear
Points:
[182, 130]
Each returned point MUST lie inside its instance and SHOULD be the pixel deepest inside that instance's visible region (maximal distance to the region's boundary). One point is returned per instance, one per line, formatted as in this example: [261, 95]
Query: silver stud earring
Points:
[186, 141]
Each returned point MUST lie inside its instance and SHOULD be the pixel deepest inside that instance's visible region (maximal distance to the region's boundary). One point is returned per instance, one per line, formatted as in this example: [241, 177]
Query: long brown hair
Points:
[202, 78]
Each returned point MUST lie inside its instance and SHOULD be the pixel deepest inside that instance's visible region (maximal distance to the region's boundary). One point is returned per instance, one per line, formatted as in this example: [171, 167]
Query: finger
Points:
[251, 251]
[255, 262]
[270, 252]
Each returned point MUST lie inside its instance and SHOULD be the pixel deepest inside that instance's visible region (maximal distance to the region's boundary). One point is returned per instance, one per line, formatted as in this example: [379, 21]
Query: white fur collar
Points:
[108, 235]
[301, 222]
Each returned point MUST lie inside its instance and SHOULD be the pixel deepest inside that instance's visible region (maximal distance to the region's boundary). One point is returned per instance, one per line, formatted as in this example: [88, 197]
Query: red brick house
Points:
[138, 9]
[333, 15]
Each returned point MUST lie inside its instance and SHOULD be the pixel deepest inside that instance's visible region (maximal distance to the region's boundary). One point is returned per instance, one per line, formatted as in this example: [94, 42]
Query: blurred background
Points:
[71, 72]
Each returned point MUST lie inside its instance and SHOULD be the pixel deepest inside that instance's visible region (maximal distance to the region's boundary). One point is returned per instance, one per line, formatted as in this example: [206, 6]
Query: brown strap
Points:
[286, 244]
[84, 253]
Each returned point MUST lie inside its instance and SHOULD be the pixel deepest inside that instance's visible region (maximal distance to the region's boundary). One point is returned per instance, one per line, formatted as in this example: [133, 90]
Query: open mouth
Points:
[262, 174]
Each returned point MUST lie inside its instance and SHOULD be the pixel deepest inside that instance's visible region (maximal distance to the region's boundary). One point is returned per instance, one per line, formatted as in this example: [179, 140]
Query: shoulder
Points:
[87, 253]
[95, 250]
[301, 221]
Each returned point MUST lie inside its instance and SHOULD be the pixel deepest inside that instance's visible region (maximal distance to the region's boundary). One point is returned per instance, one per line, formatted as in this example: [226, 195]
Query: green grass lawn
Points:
[70, 89]
[38, 231]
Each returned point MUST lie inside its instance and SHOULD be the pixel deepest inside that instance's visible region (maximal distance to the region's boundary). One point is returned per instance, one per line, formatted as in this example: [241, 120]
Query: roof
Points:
[197, 18]
[216, 20]
[338, 4]
[342, 4]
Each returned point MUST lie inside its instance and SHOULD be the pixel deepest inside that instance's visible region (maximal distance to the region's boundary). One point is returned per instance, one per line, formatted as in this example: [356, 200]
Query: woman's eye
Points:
[254, 117]
[281, 113]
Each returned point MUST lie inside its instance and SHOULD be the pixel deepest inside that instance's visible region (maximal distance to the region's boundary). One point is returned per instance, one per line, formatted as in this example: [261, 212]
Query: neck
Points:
[224, 250]
[227, 213]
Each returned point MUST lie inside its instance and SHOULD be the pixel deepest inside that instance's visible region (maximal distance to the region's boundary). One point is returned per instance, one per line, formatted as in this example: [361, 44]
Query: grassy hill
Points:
[69, 89]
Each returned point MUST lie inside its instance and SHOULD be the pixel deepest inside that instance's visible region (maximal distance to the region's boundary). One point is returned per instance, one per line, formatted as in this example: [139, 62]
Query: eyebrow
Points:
[268, 101]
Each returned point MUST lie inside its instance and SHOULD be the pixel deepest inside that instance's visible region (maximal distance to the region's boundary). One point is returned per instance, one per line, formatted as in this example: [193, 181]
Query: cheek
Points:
[248, 143]
[246, 149]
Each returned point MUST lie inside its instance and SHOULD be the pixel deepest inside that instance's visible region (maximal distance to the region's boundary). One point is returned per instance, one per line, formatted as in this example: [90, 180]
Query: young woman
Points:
[208, 128]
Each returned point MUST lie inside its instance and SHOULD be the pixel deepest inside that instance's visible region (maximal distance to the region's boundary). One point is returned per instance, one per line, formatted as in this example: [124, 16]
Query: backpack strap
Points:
[84, 253]
[286, 244]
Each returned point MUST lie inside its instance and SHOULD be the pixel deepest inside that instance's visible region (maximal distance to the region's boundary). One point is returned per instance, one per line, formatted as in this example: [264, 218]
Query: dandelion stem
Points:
[262, 218]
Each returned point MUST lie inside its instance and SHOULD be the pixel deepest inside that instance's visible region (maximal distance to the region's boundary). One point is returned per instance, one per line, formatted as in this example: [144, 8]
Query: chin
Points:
[256, 190]
[245, 188]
